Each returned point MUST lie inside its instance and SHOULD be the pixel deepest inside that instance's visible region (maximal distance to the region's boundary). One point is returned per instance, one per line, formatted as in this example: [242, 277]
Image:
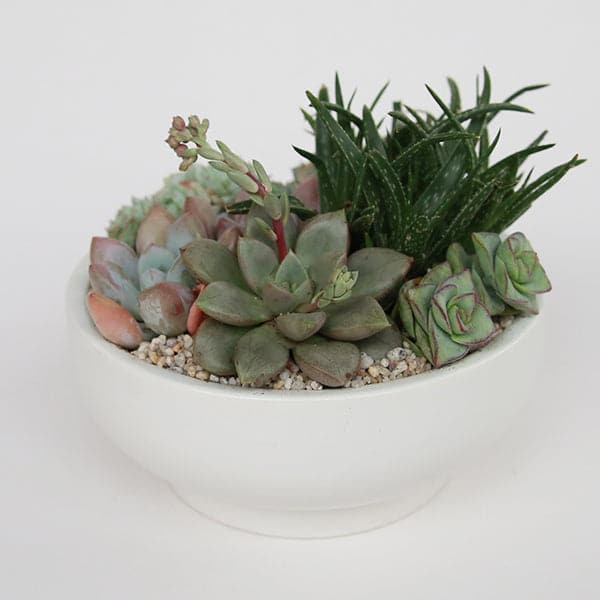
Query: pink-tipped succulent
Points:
[151, 288]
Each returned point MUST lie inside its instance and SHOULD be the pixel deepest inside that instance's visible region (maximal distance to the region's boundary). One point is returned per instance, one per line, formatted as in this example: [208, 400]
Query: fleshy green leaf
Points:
[210, 261]
[354, 319]
[329, 363]
[214, 345]
[260, 355]
[378, 345]
[380, 271]
[325, 234]
[443, 349]
[300, 326]
[232, 305]
[257, 262]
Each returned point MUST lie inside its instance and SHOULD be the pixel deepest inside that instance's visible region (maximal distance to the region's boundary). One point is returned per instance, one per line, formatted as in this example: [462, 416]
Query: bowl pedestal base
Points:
[311, 523]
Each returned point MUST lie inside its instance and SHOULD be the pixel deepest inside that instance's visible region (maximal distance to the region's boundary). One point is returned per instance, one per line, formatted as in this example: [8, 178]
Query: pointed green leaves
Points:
[214, 345]
[329, 363]
[257, 262]
[354, 319]
[380, 271]
[300, 326]
[325, 234]
[210, 261]
[260, 355]
[232, 305]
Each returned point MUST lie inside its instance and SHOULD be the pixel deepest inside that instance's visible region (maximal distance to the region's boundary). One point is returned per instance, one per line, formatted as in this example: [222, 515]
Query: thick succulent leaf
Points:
[113, 322]
[486, 294]
[423, 342]
[437, 274]
[203, 213]
[378, 345]
[538, 282]
[444, 350]
[155, 257]
[229, 238]
[165, 306]
[278, 298]
[300, 326]
[110, 281]
[107, 251]
[324, 271]
[330, 363]
[210, 261]
[179, 274]
[260, 355]
[214, 345]
[380, 271]
[323, 235]
[404, 309]
[486, 245]
[291, 271]
[232, 305]
[354, 319]
[257, 262]
[419, 298]
[254, 231]
[151, 277]
[479, 330]
[526, 303]
[457, 258]
[463, 282]
[153, 229]
[307, 191]
[182, 232]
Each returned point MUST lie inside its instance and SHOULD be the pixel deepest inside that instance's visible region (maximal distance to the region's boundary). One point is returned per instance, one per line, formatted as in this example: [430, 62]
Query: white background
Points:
[87, 91]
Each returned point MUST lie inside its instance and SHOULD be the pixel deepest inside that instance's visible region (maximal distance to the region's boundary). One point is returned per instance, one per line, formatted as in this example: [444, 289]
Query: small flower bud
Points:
[186, 163]
[172, 141]
[178, 123]
[180, 150]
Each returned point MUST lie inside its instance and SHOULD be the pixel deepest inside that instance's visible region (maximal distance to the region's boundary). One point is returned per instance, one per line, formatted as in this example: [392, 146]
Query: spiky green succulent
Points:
[443, 315]
[429, 180]
[507, 274]
[201, 182]
[314, 301]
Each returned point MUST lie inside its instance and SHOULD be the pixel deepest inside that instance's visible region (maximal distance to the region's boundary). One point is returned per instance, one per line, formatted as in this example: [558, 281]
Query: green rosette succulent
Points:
[443, 315]
[507, 274]
[314, 301]
[205, 185]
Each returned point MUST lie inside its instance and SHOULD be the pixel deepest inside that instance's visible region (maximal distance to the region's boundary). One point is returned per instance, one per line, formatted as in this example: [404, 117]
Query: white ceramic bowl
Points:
[304, 464]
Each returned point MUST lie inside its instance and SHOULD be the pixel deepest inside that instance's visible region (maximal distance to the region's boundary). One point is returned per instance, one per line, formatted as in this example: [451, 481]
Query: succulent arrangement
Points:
[314, 271]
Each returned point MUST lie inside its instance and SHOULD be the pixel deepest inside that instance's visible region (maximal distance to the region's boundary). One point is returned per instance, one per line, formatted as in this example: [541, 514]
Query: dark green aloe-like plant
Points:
[429, 180]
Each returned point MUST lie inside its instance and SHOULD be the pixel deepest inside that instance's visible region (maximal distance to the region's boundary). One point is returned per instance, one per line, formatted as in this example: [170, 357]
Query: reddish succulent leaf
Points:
[165, 307]
[115, 323]
[203, 213]
[307, 191]
[108, 251]
[153, 229]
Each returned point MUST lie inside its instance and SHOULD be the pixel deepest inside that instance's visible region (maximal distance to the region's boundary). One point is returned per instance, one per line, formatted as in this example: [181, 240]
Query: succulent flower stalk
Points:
[252, 179]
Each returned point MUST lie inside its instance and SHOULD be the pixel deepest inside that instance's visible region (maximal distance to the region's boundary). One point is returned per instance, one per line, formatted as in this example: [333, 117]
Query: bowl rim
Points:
[78, 317]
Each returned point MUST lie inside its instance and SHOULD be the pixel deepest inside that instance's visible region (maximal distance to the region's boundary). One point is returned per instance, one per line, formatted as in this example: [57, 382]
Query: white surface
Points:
[300, 464]
[87, 92]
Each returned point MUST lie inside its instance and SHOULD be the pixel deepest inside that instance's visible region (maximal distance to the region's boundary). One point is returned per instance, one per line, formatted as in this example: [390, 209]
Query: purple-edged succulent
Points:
[507, 274]
[443, 315]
